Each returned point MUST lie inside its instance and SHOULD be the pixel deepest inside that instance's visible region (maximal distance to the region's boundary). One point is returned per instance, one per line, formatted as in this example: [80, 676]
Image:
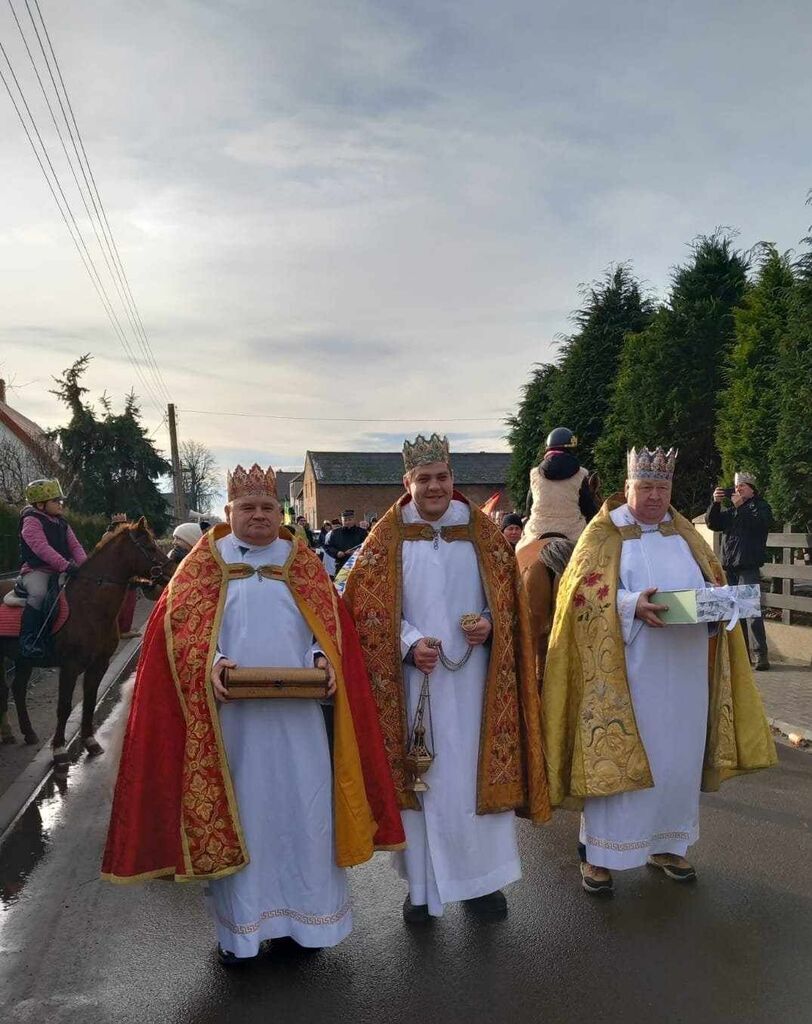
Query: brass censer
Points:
[420, 751]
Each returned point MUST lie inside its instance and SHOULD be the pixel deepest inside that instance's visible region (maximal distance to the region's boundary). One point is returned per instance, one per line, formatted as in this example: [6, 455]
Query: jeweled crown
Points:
[240, 482]
[647, 464]
[422, 451]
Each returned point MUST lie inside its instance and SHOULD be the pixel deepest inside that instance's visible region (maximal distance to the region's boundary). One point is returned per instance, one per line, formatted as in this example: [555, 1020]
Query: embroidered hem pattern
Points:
[296, 915]
[640, 844]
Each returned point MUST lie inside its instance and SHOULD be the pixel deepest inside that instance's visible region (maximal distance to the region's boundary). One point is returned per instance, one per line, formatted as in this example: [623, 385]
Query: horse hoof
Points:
[30, 738]
[93, 747]
[61, 756]
[8, 738]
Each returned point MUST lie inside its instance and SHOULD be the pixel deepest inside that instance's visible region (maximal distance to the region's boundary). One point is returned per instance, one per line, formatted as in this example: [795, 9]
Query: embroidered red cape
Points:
[174, 811]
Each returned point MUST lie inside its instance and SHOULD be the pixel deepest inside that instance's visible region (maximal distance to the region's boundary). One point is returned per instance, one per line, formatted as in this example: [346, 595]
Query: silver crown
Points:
[645, 464]
[422, 451]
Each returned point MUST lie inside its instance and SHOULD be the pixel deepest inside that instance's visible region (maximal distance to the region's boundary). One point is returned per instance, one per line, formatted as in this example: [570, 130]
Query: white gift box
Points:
[711, 604]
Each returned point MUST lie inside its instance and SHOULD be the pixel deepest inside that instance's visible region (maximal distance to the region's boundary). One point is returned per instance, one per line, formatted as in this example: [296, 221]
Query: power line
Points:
[115, 269]
[70, 221]
[96, 198]
[70, 161]
[346, 419]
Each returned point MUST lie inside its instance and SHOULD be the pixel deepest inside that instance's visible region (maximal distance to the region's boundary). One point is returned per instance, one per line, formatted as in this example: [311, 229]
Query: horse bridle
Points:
[156, 571]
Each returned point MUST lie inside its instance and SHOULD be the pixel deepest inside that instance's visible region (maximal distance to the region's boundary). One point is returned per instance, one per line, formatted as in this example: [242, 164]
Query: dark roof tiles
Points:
[387, 467]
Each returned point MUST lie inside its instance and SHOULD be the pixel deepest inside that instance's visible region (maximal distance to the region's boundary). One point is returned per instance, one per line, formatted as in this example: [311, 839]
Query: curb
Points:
[793, 733]
[28, 783]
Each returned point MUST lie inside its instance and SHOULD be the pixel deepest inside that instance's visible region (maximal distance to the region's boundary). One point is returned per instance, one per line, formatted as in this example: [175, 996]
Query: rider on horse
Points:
[48, 546]
[559, 487]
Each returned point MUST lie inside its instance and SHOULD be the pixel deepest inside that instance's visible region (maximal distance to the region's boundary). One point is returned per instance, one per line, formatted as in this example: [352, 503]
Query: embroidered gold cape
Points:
[591, 739]
[175, 813]
[511, 763]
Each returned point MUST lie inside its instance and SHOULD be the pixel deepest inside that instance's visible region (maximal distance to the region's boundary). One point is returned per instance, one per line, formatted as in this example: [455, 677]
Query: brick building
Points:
[369, 482]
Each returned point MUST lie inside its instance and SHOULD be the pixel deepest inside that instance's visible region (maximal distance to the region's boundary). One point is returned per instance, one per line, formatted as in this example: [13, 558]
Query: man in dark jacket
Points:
[744, 544]
[344, 540]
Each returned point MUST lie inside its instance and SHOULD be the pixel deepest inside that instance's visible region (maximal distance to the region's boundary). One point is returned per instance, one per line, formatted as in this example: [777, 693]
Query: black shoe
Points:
[762, 664]
[415, 914]
[229, 959]
[493, 904]
[32, 646]
[290, 946]
[594, 886]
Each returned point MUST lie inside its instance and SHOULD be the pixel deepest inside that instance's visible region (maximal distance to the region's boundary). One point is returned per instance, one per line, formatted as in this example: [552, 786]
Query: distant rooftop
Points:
[387, 467]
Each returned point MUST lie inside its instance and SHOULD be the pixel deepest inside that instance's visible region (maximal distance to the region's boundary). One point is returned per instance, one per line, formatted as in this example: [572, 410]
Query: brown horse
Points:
[87, 641]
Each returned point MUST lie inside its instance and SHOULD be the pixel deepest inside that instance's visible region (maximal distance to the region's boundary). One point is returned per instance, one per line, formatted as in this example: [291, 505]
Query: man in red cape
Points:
[245, 794]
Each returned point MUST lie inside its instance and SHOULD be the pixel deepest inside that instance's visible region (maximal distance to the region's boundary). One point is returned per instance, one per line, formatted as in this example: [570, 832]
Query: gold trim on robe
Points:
[510, 771]
[592, 742]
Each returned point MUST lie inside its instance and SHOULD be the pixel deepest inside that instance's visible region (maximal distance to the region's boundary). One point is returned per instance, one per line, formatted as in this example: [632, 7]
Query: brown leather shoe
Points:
[669, 864]
[596, 881]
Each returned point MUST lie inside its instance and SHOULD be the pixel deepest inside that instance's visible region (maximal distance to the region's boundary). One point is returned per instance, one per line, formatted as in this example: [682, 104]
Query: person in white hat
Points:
[744, 525]
[185, 536]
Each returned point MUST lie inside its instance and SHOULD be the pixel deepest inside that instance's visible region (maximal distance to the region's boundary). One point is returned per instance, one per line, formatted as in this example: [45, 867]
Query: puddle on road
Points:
[31, 837]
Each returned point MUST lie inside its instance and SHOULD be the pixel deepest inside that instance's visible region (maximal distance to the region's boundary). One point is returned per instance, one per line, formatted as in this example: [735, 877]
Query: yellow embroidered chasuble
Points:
[591, 739]
[511, 765]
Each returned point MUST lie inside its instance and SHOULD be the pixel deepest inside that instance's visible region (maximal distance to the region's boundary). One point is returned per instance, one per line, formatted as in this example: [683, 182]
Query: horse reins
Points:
[156, 572]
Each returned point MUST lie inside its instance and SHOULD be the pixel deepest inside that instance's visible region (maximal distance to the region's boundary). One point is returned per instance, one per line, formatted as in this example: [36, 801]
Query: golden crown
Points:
[422, 451]
[645, 464]
[240, 482]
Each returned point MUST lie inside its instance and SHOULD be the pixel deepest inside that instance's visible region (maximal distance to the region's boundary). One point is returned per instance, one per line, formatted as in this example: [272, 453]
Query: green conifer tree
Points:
[790, 491]
[671, 372]
[529, 428]
[112, 464]
[613, 308]
[748, 406]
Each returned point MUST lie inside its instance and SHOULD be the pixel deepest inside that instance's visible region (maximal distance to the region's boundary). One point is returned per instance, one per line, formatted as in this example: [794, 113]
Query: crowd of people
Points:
[475, 669]
[441, 716]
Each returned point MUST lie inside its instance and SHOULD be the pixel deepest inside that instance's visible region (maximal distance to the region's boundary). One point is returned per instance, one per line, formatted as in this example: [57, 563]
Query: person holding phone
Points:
[744, 526]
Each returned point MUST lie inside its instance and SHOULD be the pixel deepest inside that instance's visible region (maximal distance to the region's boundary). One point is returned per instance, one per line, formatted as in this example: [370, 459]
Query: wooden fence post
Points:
[786, 583]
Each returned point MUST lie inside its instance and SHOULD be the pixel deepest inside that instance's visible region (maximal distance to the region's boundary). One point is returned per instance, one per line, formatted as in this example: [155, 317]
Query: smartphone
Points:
[729, 491]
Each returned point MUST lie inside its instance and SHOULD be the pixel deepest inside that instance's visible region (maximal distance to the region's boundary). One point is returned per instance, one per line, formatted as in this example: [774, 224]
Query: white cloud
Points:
[383, 209]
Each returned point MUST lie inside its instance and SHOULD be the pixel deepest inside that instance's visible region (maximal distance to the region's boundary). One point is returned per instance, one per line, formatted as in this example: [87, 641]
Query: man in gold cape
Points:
[244, 793]
[639, 715]
[434, 592]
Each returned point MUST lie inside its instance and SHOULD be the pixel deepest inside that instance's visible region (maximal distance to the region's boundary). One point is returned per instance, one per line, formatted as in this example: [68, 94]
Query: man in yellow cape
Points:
[244, 793]
[639, 715]
[435, 596]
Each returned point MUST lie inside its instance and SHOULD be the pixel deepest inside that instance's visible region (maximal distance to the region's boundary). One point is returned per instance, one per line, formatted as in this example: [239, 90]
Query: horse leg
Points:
[22, 673]
[6, 735]
[93, 676]
[67, 681]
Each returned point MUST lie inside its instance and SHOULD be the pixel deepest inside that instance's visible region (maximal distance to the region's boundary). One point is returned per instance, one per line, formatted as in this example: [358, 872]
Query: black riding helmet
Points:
[562, 437]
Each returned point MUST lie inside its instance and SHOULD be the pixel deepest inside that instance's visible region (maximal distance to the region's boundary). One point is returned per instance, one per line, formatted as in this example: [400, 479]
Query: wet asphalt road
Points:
[736, 947]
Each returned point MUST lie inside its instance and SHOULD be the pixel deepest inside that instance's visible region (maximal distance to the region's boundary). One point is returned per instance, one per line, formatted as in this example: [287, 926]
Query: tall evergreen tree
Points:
[749, 405]
[613, 307]
[528, 429]
[671, 372]
[112, 464]
[790, 490]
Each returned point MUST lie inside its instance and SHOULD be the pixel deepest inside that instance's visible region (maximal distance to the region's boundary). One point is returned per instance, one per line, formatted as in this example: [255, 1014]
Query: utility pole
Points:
[177, 473]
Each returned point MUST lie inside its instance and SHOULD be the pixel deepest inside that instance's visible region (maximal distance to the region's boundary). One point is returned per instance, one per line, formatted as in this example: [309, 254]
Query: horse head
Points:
[129, 554]
[153, 564]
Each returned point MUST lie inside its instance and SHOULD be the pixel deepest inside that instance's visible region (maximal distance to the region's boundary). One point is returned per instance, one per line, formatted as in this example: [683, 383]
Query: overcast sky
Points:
[384, 209]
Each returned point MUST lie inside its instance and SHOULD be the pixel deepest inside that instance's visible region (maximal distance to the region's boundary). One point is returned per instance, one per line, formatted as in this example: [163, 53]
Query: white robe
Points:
[280, 765]
[452, 853]
[667, 671]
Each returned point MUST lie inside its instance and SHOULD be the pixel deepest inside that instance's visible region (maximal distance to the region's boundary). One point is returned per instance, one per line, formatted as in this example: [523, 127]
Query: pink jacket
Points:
[34, 537]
